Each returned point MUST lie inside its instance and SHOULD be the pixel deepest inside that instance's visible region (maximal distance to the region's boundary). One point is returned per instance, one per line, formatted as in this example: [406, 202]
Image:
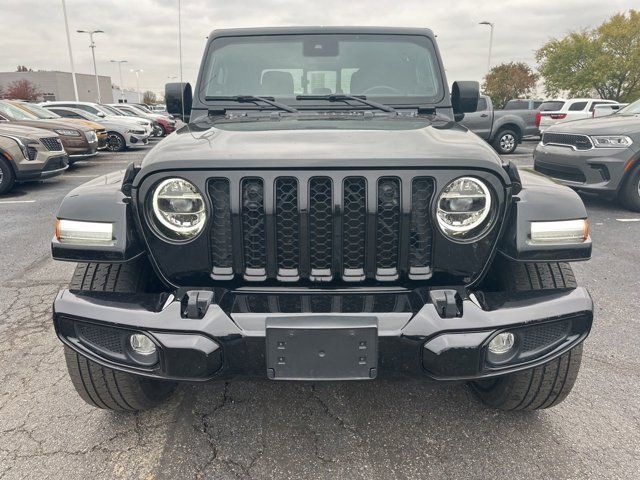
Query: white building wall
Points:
[59, 85]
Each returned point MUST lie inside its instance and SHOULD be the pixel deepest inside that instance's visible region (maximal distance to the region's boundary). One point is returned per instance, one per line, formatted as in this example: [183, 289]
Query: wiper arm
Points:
[254, 99]
[344, 98]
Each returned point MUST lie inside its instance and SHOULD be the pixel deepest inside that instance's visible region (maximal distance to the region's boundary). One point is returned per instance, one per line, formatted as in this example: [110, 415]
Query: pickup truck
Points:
[322, 217]
[503, 129]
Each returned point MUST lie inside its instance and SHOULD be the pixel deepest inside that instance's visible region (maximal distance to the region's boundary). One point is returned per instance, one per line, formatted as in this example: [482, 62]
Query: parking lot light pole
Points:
[120, 62]
[73, 69]
[138, 71]
[92, 46]
[490, 43]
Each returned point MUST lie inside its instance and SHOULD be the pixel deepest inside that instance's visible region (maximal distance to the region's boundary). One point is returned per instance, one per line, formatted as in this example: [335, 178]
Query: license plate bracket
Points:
[322, 348]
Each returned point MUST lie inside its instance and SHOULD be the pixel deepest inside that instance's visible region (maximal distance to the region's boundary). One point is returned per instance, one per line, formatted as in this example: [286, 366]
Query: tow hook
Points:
[195, 303]
[447, 303]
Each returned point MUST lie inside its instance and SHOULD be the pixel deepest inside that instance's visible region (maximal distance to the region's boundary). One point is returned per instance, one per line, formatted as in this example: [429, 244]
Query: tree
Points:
[22, 68]
[507, 81]
[22, 90]
[604, 61]
[149, 98]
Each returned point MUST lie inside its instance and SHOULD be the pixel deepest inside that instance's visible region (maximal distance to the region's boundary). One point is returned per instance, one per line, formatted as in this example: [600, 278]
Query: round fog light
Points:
[141, 344]
[502, 343]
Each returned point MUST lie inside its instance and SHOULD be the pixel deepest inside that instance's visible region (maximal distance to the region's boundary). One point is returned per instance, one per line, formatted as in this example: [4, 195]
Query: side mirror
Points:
[100, 114]
[464, 97]
[179, 98]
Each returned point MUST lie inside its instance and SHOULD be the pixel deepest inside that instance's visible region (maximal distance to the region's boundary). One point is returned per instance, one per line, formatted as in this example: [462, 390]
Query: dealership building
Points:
[55, 85]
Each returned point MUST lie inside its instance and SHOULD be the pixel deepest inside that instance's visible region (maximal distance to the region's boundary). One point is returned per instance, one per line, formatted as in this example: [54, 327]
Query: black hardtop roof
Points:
[260, 31]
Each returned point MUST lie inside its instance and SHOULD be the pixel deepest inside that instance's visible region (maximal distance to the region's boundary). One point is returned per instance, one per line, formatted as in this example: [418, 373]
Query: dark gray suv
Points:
[596, 154]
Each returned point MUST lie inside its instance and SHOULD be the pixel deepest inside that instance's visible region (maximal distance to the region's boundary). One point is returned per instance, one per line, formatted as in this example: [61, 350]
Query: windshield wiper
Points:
[336, 97]
[254, 99]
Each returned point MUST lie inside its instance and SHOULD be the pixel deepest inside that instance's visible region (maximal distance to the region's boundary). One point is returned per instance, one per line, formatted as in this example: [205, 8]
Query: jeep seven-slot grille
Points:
[321, 228]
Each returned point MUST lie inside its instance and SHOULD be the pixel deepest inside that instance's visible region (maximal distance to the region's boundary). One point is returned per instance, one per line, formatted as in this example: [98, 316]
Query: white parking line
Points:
[17, 201]
[628, 219]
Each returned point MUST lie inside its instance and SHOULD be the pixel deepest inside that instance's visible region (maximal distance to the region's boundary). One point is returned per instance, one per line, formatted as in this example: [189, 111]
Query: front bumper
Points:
[598, 169]
[53, 166]
[134, 139]
[223, 343]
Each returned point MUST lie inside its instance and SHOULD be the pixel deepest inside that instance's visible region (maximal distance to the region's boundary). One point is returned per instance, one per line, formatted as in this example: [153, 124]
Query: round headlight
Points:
[463, 207]
[179, 208]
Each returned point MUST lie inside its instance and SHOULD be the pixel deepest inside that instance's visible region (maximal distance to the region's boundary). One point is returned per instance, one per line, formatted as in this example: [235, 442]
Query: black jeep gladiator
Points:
[322, 216]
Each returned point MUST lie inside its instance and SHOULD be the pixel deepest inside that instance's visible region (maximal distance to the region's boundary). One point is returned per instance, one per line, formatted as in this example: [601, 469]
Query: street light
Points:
[92, 46]
[138, 71]
[73, 69]
[120, 62]
[490, 43]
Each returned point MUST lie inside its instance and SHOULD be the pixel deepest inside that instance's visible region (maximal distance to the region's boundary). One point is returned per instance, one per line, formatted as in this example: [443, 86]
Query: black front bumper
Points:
[224, 344]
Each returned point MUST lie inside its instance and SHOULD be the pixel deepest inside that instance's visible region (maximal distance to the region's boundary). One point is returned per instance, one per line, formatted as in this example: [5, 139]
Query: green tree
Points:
[507, 81]
[603, 61]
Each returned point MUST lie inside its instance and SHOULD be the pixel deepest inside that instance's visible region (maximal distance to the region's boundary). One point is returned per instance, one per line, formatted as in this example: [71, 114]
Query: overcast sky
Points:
[145, 32]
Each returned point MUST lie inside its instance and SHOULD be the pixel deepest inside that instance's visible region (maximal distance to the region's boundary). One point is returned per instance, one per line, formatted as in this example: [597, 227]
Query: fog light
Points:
[502, 343]
[141, 344]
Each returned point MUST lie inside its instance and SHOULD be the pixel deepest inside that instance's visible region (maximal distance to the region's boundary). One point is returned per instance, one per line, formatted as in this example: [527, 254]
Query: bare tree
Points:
[149, 98]
[22, 90]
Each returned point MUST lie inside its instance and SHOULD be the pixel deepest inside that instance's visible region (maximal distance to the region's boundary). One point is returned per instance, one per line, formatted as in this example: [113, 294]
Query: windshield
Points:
[38, 111]
[107, 110]
[631, 109]
[12, 112]
[396, 69]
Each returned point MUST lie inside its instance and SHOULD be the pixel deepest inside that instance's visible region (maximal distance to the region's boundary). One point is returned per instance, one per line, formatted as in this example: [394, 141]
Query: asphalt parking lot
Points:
[262, 429]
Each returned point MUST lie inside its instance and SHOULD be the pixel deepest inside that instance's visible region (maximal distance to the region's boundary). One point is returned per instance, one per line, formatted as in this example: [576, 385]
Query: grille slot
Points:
[354, 228]
[287, 228]
[388, 228]
[52, 144]
[221, 237]
[320, 228]
[253, 229]
[421, 236]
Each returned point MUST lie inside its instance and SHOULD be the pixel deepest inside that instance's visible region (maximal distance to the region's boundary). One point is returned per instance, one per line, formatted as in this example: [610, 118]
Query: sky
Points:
[145, 32]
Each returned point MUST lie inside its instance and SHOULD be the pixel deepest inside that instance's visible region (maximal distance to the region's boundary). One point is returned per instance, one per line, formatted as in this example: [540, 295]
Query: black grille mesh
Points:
[535, 338]
[287, 223]
[320, 223]
[104, 338]
[320, 228]
[221, 238]
[421, 235]
[321, 303]
[253, 223]
[354, 222]
[52, 144]
[580, 142]
[388, 223]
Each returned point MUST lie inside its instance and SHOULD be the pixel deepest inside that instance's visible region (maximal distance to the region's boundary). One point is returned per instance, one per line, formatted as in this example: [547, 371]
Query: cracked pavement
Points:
[262, 429]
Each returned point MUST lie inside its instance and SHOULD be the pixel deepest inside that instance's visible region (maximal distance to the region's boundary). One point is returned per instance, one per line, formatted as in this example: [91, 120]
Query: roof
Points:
[317, 30]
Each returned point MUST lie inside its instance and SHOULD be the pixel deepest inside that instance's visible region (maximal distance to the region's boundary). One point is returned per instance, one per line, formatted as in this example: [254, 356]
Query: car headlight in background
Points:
[26, 145]
[464, 207]
[178, 208]
[91, 136]
[66, 132]
[611, 141]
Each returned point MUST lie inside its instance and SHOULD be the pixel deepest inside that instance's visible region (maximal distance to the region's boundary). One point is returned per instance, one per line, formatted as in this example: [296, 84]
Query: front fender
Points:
[100, 200]
[543, 200]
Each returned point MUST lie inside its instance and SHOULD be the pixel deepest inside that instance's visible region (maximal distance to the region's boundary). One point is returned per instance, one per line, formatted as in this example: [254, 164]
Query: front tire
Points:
[506, 142]
[104, 387]
[115, 142]
[548, 384]
[630, 192]
[7, 177]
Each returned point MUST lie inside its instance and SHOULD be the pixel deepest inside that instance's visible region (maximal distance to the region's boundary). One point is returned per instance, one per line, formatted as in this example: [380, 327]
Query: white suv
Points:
[557, 111]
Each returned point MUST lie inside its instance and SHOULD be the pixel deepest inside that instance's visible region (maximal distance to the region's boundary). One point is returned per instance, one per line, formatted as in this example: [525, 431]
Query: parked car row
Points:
[41, 141]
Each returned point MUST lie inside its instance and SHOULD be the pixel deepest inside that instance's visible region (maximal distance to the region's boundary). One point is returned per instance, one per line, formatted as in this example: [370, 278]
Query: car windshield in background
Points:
[40, 112]
[107, 110]
[396, 69]
[631, 109]
[551, 106]
[14, 113]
